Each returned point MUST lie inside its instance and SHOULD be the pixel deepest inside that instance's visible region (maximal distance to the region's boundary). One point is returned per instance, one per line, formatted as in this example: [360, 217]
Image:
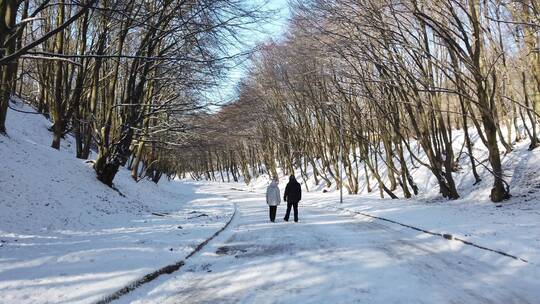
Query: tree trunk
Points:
[8, 13]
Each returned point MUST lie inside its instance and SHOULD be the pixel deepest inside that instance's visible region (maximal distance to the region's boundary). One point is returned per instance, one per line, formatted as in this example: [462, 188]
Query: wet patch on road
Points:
[232, 250]
[252, 250]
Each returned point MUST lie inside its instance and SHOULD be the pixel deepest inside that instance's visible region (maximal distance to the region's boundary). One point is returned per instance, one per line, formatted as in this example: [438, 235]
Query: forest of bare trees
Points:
[402, 77]
[125, 77]
[399, 78]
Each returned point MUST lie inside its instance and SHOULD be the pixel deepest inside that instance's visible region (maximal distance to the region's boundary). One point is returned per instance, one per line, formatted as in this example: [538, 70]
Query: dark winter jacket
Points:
[293, 191]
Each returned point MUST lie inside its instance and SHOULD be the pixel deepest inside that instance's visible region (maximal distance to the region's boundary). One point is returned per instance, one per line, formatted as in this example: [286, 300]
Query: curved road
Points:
[335, 258]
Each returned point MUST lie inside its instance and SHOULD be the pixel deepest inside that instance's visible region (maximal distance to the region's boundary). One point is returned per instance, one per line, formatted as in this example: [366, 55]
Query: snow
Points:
[65, 237]
[336, 258]
[512, 228]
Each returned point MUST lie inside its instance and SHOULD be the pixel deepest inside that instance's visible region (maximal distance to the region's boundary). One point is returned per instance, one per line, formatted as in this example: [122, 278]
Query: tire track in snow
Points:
[166, 269]
[446, 236]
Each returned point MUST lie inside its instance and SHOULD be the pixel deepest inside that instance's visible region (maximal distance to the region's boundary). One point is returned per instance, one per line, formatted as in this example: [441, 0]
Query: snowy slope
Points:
[65, 237]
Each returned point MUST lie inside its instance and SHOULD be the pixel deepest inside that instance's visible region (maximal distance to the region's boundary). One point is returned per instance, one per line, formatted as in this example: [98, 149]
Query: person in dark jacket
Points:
[293, 194]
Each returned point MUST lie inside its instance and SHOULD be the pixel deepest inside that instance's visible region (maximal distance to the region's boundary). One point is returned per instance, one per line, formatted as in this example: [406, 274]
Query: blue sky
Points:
[276, 27]
[272, 29]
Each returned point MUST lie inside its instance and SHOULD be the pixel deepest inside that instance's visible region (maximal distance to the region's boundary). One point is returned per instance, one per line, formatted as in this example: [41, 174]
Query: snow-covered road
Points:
[336, 258]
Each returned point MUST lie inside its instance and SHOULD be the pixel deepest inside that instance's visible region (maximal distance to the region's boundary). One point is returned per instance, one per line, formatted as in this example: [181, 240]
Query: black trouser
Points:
[273, 210]
[295, 206]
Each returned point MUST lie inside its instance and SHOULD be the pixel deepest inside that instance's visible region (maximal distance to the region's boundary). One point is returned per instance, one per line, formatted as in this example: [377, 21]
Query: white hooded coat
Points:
[273, 198]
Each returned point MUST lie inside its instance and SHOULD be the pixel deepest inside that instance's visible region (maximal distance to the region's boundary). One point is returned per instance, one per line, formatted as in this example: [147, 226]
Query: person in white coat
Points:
[273, 198]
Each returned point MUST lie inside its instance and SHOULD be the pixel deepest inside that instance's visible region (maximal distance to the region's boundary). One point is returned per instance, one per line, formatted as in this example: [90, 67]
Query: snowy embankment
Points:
[512, 226]
[65, 237]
